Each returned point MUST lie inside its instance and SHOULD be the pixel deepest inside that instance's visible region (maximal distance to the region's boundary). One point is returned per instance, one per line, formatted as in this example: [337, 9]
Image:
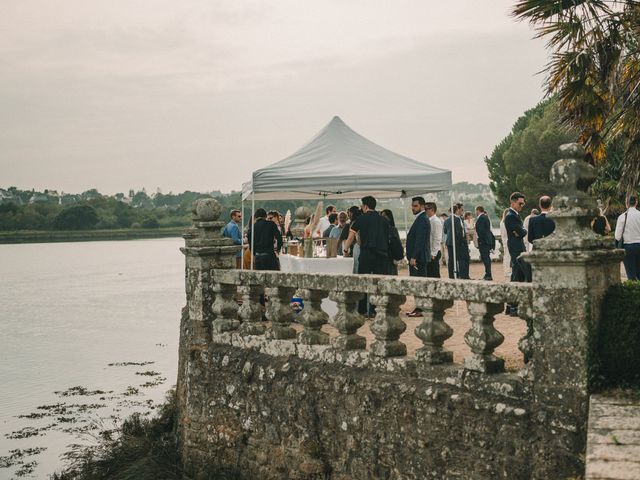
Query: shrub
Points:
[618, 337]
[142, 449]
[77, 217]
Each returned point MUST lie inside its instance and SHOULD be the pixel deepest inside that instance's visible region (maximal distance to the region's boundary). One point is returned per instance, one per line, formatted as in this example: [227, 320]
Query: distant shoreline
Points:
[49, 236]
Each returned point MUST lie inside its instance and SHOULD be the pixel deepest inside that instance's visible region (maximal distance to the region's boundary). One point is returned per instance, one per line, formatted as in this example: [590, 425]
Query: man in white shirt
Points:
[628, 230]
[433, 266]
[324, 222]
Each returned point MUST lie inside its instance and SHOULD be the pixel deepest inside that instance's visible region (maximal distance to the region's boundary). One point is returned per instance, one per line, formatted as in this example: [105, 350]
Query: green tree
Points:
[77, 217]
[523, 159]
[595, 71]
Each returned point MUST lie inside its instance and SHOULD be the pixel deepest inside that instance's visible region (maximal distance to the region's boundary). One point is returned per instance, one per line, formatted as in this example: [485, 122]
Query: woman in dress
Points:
[393, 232]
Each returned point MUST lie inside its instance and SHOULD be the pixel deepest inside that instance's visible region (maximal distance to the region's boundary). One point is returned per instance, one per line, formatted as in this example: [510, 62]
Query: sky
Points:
[196, 95]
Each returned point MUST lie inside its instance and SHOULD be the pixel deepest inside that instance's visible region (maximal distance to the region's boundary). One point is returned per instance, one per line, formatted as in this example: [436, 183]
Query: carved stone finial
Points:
[573, 207]
[572, 177]
[206, 210]
[302, 213]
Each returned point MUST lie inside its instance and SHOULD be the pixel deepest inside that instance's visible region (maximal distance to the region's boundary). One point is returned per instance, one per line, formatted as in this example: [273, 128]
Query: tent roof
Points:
[340, 163]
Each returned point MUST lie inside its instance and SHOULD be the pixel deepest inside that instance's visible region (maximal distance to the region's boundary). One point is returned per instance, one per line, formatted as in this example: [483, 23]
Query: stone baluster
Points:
[251, 311]
[313, 317]
[347, 321]
[224, 308]
[483, 338]
[388, 326]
[433, 331]
[280, 313]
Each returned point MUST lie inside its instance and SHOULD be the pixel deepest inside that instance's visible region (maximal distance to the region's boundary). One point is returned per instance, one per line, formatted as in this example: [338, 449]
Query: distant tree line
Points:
[31, 210]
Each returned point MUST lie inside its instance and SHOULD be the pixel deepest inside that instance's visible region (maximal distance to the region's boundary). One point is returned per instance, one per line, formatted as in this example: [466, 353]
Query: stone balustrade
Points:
[246, 326]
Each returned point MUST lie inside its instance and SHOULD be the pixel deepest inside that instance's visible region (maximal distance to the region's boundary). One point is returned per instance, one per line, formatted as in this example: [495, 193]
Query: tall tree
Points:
[523, 159]
[595, 71]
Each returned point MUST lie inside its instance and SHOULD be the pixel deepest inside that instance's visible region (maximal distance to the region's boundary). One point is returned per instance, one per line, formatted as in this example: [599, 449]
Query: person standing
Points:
[373, 232]
[435, 240]
[628, 232]
[460, 266]
[418, 239]
[336, 232]
[324, 222]
[333, 222]
[486, 240]
[515, 238]
[534, 213]
[394, 240]
[232, 231]
[267, 240]
[506, 258]
[374, 238]
[541, 225]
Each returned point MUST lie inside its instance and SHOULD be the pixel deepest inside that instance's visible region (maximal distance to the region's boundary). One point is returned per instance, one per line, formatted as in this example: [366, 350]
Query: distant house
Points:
[8, 197]
[39, 198]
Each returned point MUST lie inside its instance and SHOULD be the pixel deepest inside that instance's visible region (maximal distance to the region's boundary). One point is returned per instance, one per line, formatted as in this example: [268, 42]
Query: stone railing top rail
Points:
[437, 288]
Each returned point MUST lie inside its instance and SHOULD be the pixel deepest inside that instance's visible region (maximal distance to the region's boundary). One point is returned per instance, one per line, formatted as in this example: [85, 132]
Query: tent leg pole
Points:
[404, 210]
[253, 234]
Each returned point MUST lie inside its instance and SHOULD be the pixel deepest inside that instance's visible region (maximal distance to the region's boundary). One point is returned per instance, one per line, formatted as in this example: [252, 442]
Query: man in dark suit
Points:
[418, 244]
[486, 240]
[418, 239]
[515, 238]
[461, 265]
[541, 226]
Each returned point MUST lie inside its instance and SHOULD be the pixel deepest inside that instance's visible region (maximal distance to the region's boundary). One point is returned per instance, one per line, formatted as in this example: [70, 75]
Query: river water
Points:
[67, 311]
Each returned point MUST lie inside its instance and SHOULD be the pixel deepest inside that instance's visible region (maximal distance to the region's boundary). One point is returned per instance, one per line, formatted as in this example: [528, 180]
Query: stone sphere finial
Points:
[302, 213]
[206, 209]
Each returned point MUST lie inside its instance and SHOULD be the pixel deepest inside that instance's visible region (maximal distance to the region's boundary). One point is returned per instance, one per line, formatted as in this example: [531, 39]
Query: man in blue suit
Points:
[541, 226]
[418, 244]
[418, 239]
[486, 240]
[516, 232]
[461, 266]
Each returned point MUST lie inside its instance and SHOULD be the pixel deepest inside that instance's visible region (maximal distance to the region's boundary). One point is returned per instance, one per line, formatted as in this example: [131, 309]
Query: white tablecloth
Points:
[291, 264]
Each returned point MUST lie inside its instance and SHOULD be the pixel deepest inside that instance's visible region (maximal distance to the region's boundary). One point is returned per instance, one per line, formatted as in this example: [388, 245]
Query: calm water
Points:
[67, 310]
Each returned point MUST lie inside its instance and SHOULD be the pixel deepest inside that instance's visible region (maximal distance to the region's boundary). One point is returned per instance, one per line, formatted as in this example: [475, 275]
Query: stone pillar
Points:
[205, 249]
[572, 269]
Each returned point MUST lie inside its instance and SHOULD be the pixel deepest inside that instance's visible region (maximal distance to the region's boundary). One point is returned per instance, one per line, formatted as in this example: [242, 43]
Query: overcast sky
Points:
[197, 94]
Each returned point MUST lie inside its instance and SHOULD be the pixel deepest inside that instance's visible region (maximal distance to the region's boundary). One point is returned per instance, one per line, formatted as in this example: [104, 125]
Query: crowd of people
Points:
[371, 238]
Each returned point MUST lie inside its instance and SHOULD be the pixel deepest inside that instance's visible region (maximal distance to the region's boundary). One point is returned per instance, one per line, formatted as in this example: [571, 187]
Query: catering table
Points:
[291, 264]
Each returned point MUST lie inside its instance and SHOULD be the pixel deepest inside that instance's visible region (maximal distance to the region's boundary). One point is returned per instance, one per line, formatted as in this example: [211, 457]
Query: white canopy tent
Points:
[340, 163]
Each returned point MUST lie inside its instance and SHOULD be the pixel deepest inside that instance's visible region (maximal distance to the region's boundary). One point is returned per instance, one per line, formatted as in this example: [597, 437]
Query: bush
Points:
[77, 217]
[618, 337]
[142, 449]
[150, 222]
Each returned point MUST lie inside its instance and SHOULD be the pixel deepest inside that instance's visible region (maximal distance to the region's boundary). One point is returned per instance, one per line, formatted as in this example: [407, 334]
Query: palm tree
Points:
[595, 72]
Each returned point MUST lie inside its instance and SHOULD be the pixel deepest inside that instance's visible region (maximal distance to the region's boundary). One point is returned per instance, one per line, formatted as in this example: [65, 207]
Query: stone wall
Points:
[260, 400]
